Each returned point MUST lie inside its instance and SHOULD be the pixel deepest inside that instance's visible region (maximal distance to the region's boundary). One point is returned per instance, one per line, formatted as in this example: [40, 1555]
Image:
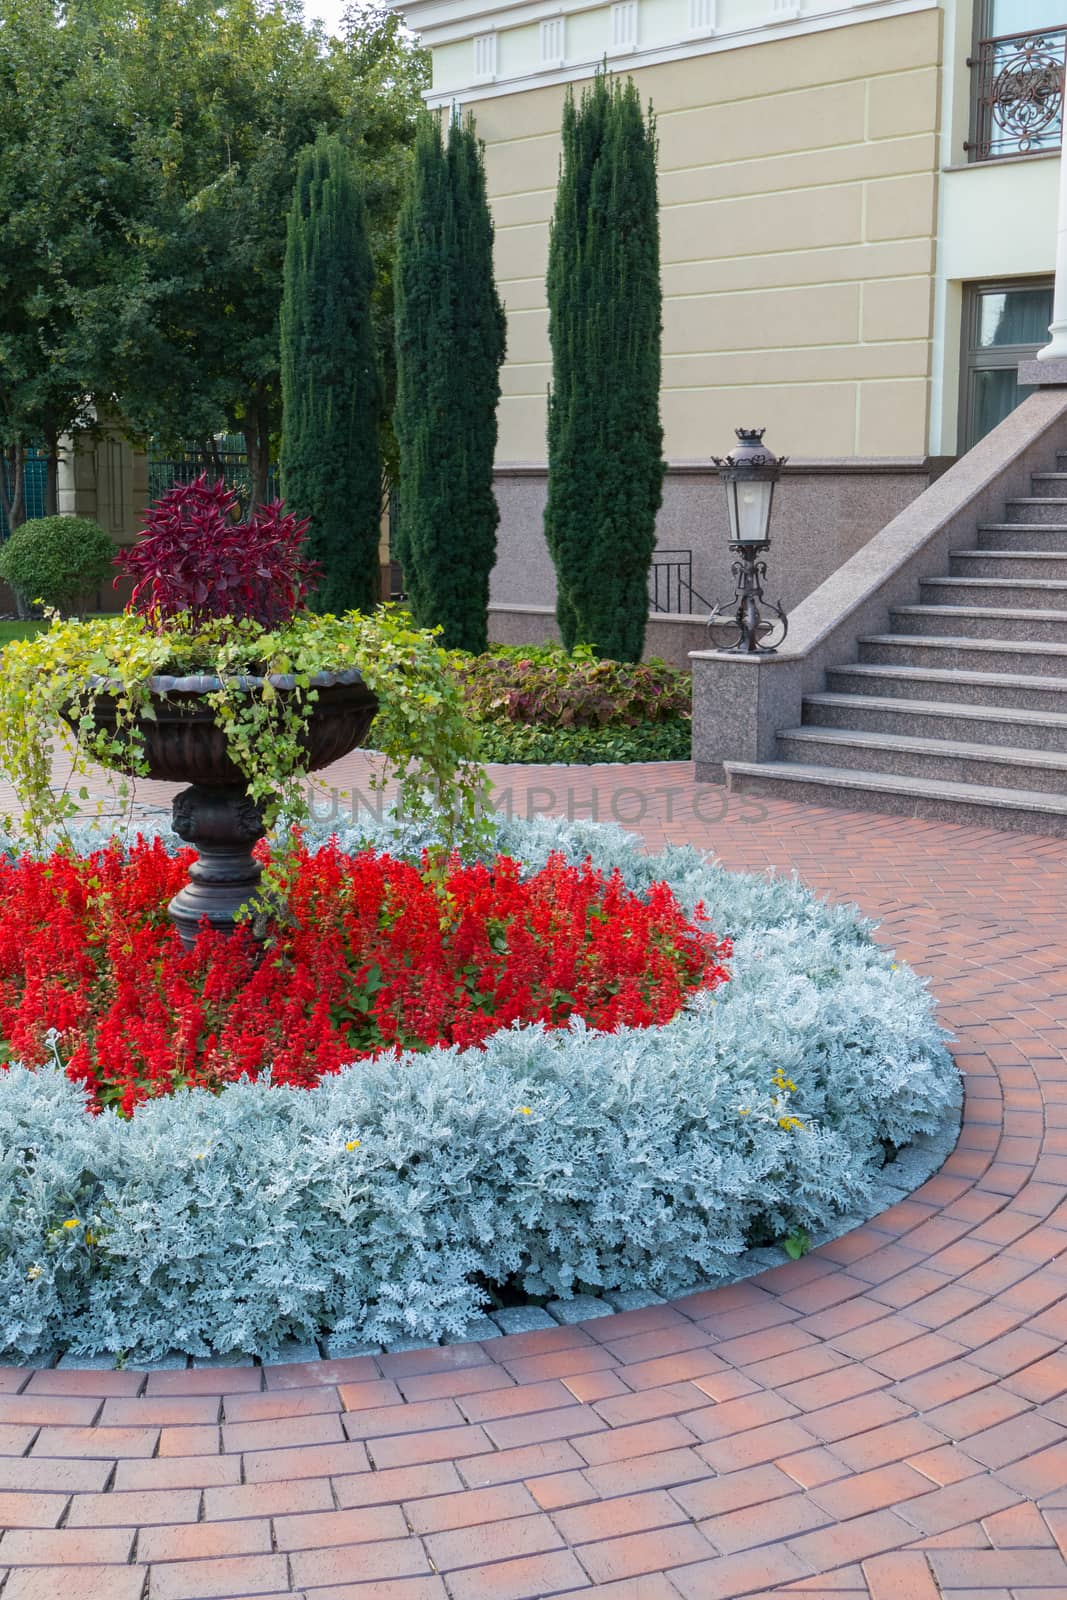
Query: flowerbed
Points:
[374, 954]
[645, 741]
[543, 704]
[398, 1197]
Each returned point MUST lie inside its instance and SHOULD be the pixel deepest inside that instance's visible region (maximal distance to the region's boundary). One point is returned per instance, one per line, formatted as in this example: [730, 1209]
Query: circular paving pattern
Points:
[885, 1418]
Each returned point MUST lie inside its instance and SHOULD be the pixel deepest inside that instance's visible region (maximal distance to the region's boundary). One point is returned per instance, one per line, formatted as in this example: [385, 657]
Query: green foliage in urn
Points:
[450, 335]
[605, 442]
[56, 679]
[56, 561]
[222, 603]
[331, 471]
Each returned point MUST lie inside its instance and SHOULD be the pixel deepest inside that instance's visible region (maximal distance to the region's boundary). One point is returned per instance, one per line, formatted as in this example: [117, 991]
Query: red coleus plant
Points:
[195, 560]
[373, 956]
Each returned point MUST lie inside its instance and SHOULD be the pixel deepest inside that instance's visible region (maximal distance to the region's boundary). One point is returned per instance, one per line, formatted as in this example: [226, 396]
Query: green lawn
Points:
[26, 630]
[18, 630]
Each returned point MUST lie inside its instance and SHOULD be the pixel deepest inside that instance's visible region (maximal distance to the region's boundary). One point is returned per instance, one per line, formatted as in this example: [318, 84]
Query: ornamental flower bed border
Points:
[377, 1209]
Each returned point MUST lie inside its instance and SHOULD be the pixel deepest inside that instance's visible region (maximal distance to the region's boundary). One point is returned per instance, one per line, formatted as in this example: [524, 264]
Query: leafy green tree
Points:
[329, 380]
[450, 336]
[605, 442]
[150, 150]
[386, 72]
[64, 194]
[228, 94]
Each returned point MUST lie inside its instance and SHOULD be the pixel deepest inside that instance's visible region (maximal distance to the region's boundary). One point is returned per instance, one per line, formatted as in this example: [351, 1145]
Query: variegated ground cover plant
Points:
[545, 704]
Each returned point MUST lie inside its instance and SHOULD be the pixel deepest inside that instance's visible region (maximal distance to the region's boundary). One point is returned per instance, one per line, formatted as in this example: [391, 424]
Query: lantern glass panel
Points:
[750, 511]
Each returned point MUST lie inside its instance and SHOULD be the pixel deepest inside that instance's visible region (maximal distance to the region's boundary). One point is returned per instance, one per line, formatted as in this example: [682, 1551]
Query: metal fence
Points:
[34, 486]
[229, 461]
[670, 584]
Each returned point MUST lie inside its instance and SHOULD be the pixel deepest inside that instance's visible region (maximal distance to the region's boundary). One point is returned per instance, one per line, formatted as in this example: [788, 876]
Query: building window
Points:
[1003, 324]
[552, 42]
[485, 55]
[703, 16]
[1017, 78]
[624, 25]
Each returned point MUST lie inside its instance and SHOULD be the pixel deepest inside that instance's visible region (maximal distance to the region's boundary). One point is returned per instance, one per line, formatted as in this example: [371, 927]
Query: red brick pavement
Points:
[886, 1418]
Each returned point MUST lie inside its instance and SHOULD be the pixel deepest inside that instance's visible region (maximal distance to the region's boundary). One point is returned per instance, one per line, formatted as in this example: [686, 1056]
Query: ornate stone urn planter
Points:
[184, 743]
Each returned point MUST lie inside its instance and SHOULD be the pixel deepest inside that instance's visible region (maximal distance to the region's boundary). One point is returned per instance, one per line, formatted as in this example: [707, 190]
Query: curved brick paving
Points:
[885, 1418]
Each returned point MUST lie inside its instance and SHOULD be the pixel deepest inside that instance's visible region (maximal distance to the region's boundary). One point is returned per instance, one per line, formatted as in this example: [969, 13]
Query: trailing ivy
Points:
[52, 682]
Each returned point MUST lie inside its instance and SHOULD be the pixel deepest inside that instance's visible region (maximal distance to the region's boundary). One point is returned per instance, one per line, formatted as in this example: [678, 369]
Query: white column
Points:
[1056, 349]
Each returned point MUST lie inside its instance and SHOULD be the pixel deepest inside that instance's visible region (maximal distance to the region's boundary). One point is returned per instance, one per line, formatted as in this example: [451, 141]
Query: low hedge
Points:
[387, 1202]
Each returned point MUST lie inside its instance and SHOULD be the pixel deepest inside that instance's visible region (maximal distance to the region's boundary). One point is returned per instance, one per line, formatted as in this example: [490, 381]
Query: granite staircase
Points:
[959, 712]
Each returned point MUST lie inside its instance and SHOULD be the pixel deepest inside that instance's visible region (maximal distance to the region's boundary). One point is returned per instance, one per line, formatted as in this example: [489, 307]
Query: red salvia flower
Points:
[374, 957]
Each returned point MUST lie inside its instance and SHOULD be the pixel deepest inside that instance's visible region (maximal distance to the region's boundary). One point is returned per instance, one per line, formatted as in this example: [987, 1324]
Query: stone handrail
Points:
[740, 703]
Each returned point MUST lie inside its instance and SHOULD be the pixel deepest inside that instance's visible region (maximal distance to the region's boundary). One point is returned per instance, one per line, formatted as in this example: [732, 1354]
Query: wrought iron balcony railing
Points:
[1018, 94]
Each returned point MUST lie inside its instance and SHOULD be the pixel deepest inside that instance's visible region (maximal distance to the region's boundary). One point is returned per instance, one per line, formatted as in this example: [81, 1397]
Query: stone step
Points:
[939, 719]
[953, 760]
[1036, 508]
[981, 622]
[1045, 485]
[1022, 536]
[1047, 564]
[1043, 594]
[1035, 658]
[999, 690]
[1016, 809]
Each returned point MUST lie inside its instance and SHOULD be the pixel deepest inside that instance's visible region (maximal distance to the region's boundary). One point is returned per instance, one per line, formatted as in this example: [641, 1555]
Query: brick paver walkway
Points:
[886, 1418]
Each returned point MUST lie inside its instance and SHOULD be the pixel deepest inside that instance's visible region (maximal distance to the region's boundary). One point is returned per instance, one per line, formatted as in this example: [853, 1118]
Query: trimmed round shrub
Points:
[56, 561]
[396, 1198]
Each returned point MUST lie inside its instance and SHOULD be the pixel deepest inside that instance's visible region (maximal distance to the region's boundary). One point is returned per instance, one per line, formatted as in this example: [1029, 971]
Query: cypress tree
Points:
[605, 442]
[450, 336]
[330, 393]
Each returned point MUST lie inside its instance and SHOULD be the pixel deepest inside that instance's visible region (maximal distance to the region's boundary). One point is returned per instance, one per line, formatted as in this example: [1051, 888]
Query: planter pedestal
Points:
[224, 825]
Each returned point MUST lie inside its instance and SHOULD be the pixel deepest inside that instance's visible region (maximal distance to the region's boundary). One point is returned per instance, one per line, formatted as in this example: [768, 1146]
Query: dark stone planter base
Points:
[224, 825]
[183, 742]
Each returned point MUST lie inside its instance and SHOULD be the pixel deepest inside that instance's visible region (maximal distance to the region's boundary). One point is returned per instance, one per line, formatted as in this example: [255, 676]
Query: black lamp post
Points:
[749, 474]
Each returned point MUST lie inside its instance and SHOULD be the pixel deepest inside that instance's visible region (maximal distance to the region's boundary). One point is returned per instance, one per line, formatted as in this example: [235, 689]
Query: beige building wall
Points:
[798, 286]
